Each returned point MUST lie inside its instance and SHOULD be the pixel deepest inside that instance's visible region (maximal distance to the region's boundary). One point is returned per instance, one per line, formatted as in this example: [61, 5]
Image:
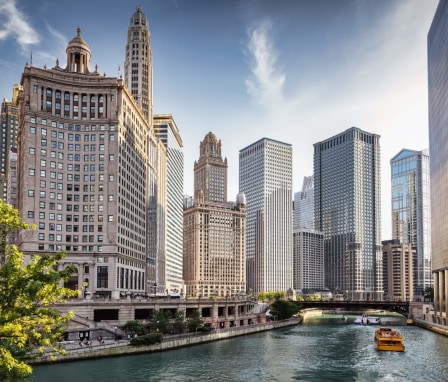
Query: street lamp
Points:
[116, 333]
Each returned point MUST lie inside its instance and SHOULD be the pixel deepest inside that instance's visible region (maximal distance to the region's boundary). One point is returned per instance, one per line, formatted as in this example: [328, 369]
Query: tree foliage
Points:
[162, 321]
[270, 295]
[28, 324]
[134, 326]
[429, 293]
[179, 322]
[194, 321]
[282, 310]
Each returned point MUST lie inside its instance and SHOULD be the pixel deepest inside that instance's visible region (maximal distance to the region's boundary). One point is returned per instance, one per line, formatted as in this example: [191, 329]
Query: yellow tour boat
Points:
[388, 339]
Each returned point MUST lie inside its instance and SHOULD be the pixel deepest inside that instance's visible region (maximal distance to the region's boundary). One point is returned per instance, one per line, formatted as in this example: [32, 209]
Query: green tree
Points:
[282, 310]
[28, 324]
[179, 322]
[429, 293]
[161, 321]
[134, 326]
[194, 321]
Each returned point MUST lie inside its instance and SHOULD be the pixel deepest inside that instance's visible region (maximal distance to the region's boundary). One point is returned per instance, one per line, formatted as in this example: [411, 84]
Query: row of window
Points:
[68, 238]
[72, 157]
[75, 248]
[70, 227]
[70, 177]
[75, 218]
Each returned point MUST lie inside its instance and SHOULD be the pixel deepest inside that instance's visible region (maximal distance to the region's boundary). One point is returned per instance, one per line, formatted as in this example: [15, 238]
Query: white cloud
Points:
[266, 82]
[15, 25]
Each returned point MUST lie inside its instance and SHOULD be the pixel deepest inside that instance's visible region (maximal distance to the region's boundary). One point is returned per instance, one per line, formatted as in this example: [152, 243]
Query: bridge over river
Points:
[358, 306]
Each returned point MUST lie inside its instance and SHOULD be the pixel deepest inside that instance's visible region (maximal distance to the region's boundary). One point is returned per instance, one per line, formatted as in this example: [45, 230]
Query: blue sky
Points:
[298, 71]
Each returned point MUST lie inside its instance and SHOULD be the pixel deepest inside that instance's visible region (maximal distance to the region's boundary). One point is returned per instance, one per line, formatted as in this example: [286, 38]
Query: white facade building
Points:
[265, 177]
[166, 130]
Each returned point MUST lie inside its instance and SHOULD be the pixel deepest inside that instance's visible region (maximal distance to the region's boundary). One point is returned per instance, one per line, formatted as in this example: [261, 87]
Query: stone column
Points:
[436, 292]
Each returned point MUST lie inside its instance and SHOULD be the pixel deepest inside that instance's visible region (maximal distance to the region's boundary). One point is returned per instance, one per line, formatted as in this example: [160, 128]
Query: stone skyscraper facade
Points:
[265, 177]
[347, 201]
[214, 230]
[9, 122]
[82, 173]
[438, 151]
[138, 62]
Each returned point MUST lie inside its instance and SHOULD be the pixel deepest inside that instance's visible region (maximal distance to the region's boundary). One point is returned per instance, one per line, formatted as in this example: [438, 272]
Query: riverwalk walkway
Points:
[74, 351]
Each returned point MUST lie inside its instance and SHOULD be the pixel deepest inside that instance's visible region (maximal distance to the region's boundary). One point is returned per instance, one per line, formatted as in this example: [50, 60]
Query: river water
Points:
[308, 353]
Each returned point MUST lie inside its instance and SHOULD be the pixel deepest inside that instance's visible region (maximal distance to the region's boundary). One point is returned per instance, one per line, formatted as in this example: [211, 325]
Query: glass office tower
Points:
[438, 150]
[410, 211]
[347, 200]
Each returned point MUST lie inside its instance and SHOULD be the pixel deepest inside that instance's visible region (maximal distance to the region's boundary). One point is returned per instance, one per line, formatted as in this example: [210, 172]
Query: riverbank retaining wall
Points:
[436, 328]
[169, 342]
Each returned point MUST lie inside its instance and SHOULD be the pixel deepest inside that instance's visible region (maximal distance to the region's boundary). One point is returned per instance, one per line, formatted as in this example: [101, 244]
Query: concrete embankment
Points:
[74, 353]
[436, 328]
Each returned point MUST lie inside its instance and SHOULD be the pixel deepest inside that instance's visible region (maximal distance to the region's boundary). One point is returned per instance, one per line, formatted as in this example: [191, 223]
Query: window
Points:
[31, 214]
[31, 171]
[31, 193]
[32, 129]
[110, 218]
[102, 277]
[32, 150]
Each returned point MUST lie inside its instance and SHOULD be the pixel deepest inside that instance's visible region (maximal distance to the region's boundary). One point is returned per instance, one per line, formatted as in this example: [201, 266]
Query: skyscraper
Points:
[398, 270]
[308, 244]
[210, 171]
[308, 259]
[265, 177]
[438, 151]
[304, 205]
[347, 202]
[166, 130]
[138, 62]
[411, 211]
[82, 173]
[214, 230]
[9, 122]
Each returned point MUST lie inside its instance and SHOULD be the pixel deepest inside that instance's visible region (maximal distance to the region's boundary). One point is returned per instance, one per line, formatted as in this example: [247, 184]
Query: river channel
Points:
[308, 353]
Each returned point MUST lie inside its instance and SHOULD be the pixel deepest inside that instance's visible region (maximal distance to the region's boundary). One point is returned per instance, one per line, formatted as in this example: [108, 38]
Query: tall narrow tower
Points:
[138, 63]
[438, 151]
[411, 211]
[9, 122]
[210, 171]
[265, 177]
[214, 230]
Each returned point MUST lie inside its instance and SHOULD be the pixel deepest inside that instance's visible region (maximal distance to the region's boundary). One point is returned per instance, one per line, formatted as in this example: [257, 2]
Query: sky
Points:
[297, 71]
